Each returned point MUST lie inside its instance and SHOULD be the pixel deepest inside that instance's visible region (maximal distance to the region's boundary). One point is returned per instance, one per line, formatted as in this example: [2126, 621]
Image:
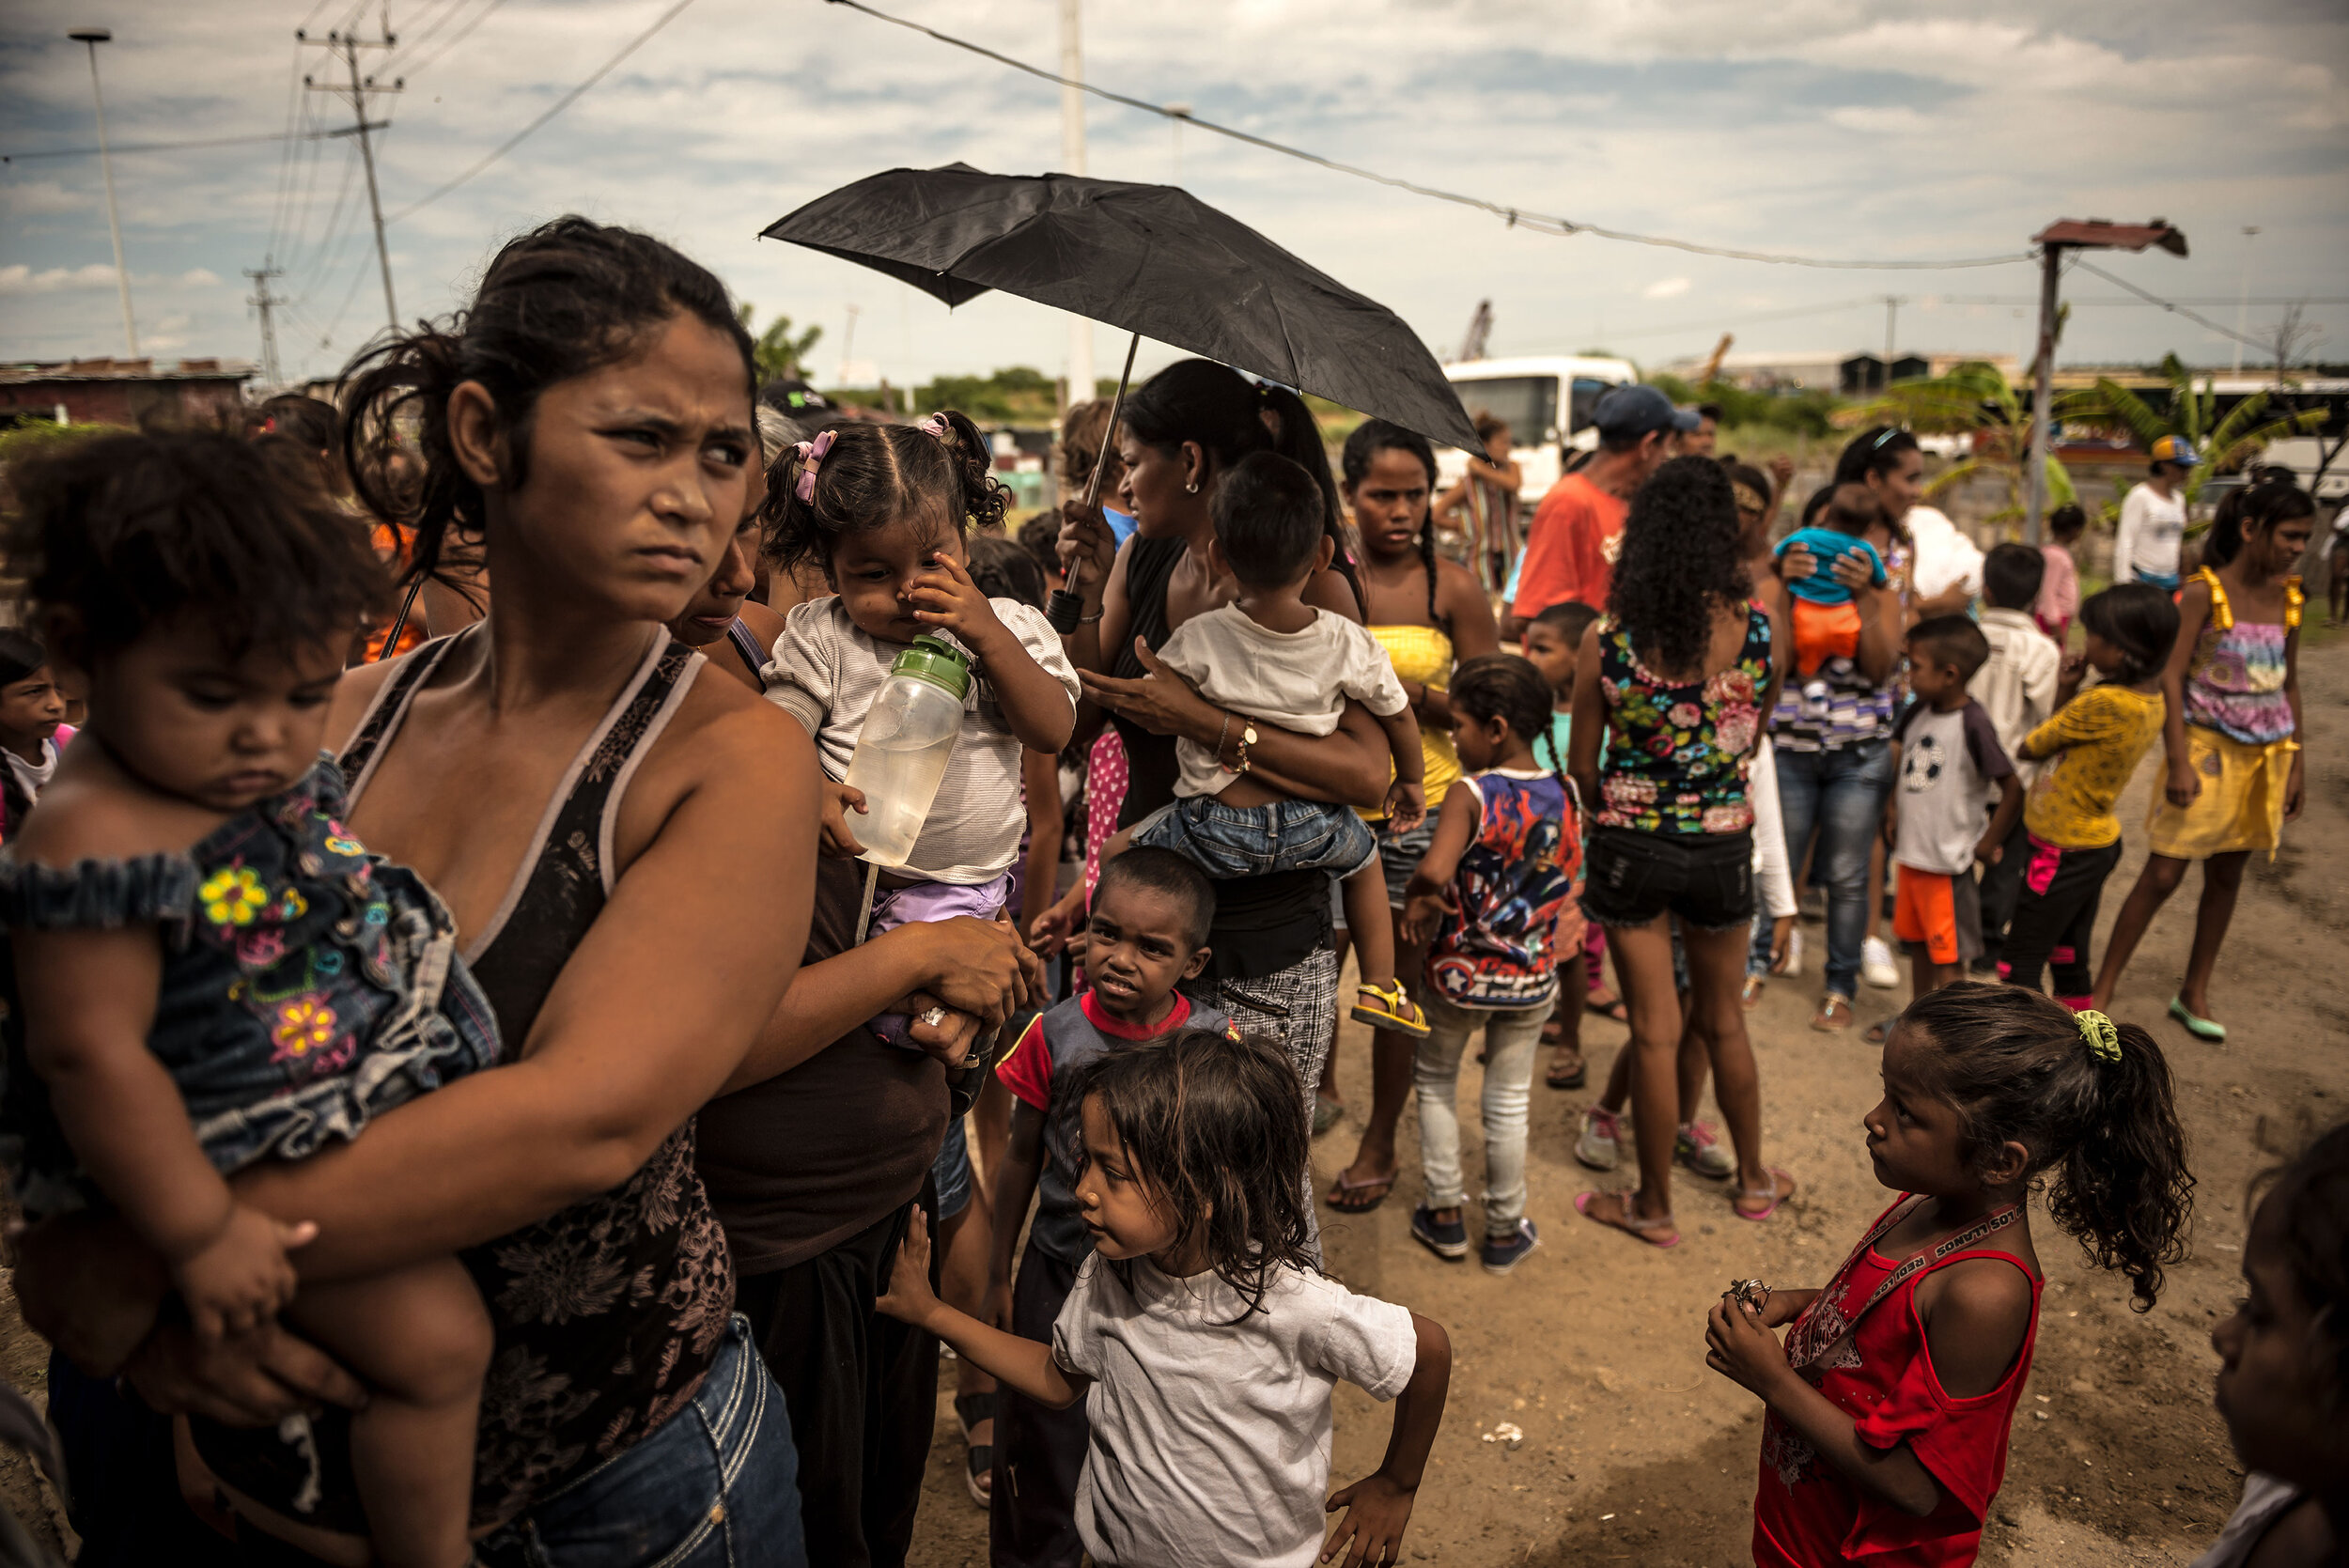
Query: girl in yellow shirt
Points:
[2092, 743]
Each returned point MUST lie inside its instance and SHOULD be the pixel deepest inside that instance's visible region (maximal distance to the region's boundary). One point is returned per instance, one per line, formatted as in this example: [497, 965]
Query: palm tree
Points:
[2225, 441]
[1973, 398]
[777, 353]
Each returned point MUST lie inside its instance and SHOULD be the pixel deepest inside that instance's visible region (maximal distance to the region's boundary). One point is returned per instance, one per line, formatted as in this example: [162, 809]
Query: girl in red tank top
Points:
[1890, 1403]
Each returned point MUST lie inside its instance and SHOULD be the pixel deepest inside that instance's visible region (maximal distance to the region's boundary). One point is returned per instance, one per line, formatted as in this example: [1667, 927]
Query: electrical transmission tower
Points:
[348, 46]
[262, 300]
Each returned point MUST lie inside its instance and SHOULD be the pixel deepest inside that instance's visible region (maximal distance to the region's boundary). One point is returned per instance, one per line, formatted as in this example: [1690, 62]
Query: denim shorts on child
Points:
[1629, 877]
[1226, 842]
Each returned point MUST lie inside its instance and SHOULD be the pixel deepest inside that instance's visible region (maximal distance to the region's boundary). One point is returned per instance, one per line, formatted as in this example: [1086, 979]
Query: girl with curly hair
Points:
[1687, 667]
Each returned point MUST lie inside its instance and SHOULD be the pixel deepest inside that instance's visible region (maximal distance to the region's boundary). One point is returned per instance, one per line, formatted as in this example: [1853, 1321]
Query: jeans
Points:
[1841, 793]
[717, 1486]
[1226, 842]
[1512, 1038]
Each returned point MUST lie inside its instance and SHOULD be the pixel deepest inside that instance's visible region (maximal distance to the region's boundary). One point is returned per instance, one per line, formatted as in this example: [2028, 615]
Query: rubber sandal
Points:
[1391, 1007]
[1834, 1014]
[1574, 1077]
[1750, 997]
[1609, 1005]
[1642, 1230]
[1344, 1197]
[978, 1473]
[1781, 1188]
[971, 1409]
[2202, 1028]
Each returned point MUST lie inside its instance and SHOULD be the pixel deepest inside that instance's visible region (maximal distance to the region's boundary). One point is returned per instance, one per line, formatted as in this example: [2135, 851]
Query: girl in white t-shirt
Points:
[1201, 1334]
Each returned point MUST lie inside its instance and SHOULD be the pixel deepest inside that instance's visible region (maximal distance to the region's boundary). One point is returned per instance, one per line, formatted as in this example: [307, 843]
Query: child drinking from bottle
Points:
[1268, 655]
[884, 510]
[1484, 899]
[1889, 1404]
[1200, 1334]
[202, 969]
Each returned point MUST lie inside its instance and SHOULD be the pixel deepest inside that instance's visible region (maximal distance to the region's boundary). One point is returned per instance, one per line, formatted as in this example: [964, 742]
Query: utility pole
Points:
[348, 46]
[1072, 157]
[93, 36]
[262, 300]
[1892, 314]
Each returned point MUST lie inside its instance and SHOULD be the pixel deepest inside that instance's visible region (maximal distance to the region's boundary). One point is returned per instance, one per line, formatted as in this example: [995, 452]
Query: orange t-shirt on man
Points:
[1571, 548]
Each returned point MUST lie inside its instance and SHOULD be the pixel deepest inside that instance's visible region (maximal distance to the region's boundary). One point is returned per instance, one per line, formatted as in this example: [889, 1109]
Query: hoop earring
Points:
[1191, 487]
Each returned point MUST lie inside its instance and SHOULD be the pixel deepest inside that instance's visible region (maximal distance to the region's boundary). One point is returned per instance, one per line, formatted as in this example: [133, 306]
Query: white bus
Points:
[1547, 400]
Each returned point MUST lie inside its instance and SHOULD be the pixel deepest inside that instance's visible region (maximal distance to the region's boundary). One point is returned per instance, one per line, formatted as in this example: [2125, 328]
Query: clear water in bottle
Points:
[903, 748]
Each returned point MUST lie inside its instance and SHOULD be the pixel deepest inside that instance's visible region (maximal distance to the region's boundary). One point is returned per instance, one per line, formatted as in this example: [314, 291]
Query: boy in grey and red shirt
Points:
[1146, 933]
[1946, 755]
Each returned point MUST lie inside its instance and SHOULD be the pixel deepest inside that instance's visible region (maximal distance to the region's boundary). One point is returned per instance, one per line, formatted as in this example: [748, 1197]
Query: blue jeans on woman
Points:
[1840, 792]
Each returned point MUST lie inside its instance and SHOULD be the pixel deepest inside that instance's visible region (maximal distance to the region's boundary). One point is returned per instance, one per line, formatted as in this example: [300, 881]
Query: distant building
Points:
[1845, 373]
[122, 391]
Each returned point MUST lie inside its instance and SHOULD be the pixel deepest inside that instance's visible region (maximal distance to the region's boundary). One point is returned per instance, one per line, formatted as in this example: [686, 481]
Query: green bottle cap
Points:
[938, 661]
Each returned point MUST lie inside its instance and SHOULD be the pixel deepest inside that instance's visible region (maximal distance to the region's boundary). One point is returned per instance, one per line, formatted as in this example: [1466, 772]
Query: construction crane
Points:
[1712, 366]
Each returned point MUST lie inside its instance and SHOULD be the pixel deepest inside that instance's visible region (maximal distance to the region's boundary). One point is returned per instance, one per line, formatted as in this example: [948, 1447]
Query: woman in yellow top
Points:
[2092, 744]
[2233, 773]
[1430, 614]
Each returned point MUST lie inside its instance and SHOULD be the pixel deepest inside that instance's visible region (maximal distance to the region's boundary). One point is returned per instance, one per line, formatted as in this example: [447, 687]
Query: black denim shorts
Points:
[1630, 877]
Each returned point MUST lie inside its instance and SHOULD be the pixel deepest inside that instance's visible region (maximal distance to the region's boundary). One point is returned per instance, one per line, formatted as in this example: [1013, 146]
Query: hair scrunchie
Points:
[936, 426]
[2104, 1040]
[811, 459]
[1746, 500]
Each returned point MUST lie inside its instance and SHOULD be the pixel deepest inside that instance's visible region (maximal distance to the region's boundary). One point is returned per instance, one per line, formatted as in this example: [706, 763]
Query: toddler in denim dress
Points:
[201, 969]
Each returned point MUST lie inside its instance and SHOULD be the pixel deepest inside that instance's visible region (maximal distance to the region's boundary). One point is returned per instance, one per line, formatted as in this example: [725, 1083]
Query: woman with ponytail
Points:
[628, 856]
[1890, 1399]
[1274, 968]
[1431, 617]
[2232, 731]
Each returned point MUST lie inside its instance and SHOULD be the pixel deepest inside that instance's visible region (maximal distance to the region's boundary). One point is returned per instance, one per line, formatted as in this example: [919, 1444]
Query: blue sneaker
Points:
[1448, 1239]
[1504, 1253]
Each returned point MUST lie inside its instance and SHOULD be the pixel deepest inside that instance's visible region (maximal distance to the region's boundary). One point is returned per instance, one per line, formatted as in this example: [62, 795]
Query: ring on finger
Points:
[933, 1016]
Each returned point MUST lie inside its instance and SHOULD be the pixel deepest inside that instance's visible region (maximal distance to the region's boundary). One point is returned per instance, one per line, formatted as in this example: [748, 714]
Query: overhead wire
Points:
[2200, 321]
[1517, 217]
[420, 67]
[557, 107]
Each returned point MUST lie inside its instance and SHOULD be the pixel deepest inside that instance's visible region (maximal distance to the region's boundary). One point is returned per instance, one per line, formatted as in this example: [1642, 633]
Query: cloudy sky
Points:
[1837, 128]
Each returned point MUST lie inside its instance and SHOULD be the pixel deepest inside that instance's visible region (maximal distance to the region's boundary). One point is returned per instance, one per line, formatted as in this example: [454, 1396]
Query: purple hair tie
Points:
[812, 458]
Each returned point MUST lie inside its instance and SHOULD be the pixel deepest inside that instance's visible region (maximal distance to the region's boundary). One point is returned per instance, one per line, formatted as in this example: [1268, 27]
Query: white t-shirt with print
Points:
[1211, 1429]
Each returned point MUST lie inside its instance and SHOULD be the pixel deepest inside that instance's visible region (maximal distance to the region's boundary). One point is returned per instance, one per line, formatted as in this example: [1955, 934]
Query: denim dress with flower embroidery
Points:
[307, 985]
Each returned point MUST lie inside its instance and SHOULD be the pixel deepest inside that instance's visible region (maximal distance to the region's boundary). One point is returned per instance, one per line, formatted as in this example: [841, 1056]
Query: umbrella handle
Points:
[1065, 611]
[399, 622]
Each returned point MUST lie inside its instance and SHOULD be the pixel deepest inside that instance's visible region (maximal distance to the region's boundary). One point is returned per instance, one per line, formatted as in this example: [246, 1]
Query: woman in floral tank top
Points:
[1686, 668]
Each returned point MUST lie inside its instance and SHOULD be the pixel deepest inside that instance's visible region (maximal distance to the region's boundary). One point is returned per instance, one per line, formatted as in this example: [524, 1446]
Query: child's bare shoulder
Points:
[92, 810]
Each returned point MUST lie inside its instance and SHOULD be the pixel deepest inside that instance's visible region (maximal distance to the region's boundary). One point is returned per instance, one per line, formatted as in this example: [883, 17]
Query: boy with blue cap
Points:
[2153, 520]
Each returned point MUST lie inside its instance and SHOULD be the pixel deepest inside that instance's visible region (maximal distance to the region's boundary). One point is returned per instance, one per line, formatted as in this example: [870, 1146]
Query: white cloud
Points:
[1665, 289]
[21, 279]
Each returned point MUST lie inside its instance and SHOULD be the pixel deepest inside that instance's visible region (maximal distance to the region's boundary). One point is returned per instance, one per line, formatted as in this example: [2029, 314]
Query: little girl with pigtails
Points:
[1889, 1401]
[885, 511]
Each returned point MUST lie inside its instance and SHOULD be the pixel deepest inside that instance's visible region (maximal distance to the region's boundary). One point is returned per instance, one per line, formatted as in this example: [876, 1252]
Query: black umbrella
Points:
[1152, 259]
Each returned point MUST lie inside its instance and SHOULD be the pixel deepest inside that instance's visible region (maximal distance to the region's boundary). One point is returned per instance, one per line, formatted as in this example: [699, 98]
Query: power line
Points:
[168, 146]
[1517, 217]
[2166, 304]
[458, 37]
[560, 104]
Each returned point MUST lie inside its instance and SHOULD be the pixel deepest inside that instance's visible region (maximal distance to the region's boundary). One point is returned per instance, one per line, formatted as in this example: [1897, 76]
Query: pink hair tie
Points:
[812, 458]
[934, 425]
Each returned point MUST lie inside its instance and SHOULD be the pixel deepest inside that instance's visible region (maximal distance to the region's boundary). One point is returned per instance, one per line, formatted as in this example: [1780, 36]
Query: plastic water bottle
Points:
[902, 751]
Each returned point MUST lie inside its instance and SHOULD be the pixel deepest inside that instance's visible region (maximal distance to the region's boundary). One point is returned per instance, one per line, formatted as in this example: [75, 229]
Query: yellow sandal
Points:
[1390, 1006]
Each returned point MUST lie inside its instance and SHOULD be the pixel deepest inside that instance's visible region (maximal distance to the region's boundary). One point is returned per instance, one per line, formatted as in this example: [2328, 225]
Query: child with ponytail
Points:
[1890, 1400]
[886, 511]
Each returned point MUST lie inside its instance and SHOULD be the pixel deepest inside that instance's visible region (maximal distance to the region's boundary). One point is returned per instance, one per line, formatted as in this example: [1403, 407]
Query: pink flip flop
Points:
[1642, 1230]
[1781, 1188]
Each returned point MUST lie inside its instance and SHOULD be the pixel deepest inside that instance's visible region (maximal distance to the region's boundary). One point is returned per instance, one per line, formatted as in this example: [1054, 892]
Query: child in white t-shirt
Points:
[1201, 1335]
[883, 508]
[1270, 656]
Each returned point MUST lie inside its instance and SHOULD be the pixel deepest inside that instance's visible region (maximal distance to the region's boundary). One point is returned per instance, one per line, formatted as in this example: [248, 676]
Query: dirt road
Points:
[1635, 1452]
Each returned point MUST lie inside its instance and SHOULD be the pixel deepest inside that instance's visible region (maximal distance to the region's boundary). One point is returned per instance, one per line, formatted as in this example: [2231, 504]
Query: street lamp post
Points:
[93, 36]
[2094, 234]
